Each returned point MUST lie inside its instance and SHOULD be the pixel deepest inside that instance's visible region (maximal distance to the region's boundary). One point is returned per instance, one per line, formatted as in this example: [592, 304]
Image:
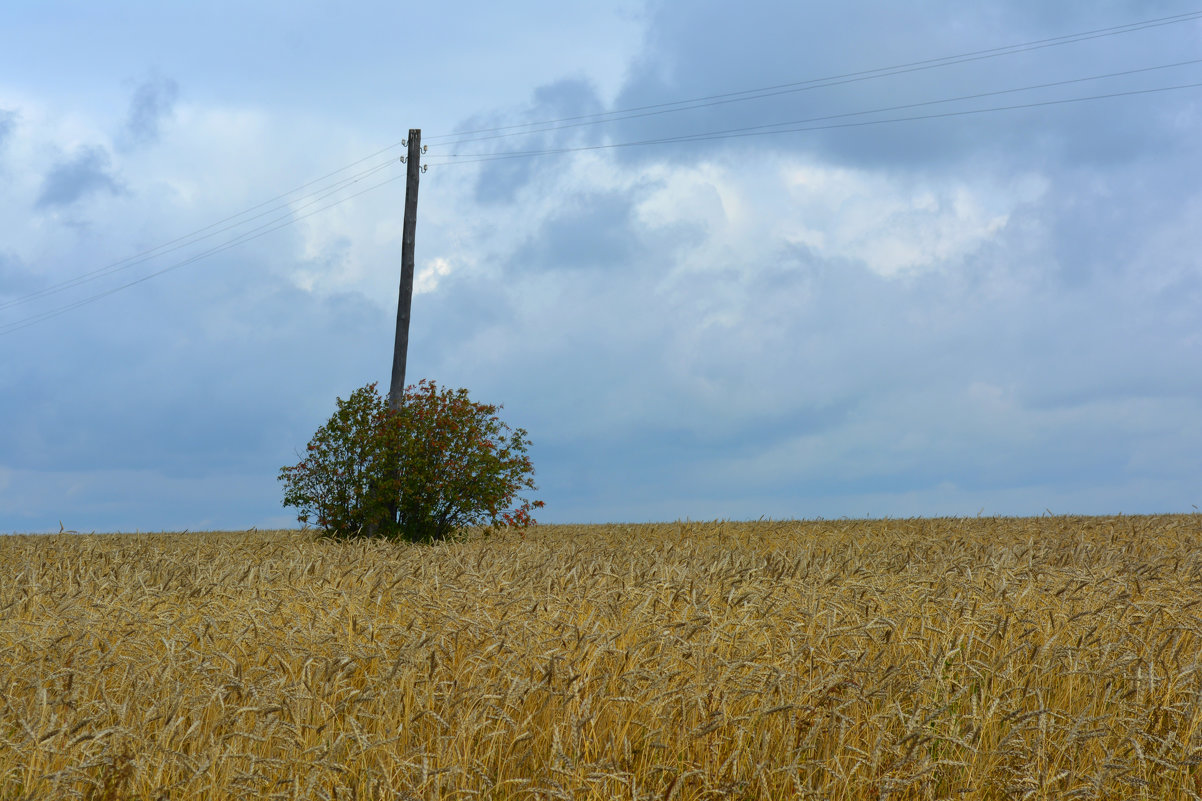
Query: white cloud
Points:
[427, 278]
[696, 195]
[896, 225]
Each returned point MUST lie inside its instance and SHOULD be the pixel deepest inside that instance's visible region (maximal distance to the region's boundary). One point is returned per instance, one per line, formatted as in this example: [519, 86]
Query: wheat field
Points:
[1038, 658]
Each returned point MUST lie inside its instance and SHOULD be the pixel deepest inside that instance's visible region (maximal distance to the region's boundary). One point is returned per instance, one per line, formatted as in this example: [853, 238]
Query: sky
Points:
[773, 259]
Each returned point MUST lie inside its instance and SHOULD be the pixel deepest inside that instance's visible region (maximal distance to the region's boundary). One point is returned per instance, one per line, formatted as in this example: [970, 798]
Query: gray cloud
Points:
[226, 363]
[85, 173]
[8, 122]
[875, 387]
[697, 331]
[703, 50]
[15, 278]
[196, 395]
[594, 230]
[1045, 363]
[1101, 221]
[152, 103]
[499, 181]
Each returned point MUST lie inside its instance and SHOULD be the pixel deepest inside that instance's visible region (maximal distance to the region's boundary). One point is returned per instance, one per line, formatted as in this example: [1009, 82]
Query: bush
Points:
[438, 464]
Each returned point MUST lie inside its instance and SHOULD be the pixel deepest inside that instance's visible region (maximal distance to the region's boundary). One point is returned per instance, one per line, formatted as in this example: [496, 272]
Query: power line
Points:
[240, 219]
[975, 96]
[199, 236]
[241, 239]
[290, 219]
[670, 107]
[758, 130]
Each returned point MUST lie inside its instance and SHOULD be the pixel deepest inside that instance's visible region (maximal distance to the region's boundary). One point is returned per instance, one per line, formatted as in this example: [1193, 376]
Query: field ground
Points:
[1047, 658]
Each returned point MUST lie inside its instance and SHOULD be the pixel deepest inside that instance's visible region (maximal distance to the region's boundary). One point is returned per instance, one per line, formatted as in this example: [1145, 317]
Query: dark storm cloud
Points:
[499, 181]
[152, 103]
[702, 49]
[85, 173]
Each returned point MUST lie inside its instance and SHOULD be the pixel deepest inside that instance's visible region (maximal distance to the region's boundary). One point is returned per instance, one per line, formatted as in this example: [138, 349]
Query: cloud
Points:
[8, 122]
[919, 318]
[499, 181]
[153, 102]
[180, 397]
[897, 224]
[15, 277]
[835, 390]
[703, 51]
[827, 339]
[429, 276]
[591, 230]
[85, 173]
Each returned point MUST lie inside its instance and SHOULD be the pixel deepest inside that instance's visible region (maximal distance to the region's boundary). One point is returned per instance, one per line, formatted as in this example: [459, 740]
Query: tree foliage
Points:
[440, 463]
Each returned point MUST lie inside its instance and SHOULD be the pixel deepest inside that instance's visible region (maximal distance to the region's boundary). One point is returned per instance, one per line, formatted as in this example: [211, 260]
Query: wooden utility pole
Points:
[400, 347]
[396, 390]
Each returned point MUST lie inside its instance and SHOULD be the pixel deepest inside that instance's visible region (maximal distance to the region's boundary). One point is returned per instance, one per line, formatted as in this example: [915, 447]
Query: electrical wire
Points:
[757, 130]
[292, 218]
[254, 233]
[197, 236]
[634, 112]
[240, 219]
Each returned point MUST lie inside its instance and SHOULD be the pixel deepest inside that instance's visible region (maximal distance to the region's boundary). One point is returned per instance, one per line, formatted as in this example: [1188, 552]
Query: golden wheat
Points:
[902, 659]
